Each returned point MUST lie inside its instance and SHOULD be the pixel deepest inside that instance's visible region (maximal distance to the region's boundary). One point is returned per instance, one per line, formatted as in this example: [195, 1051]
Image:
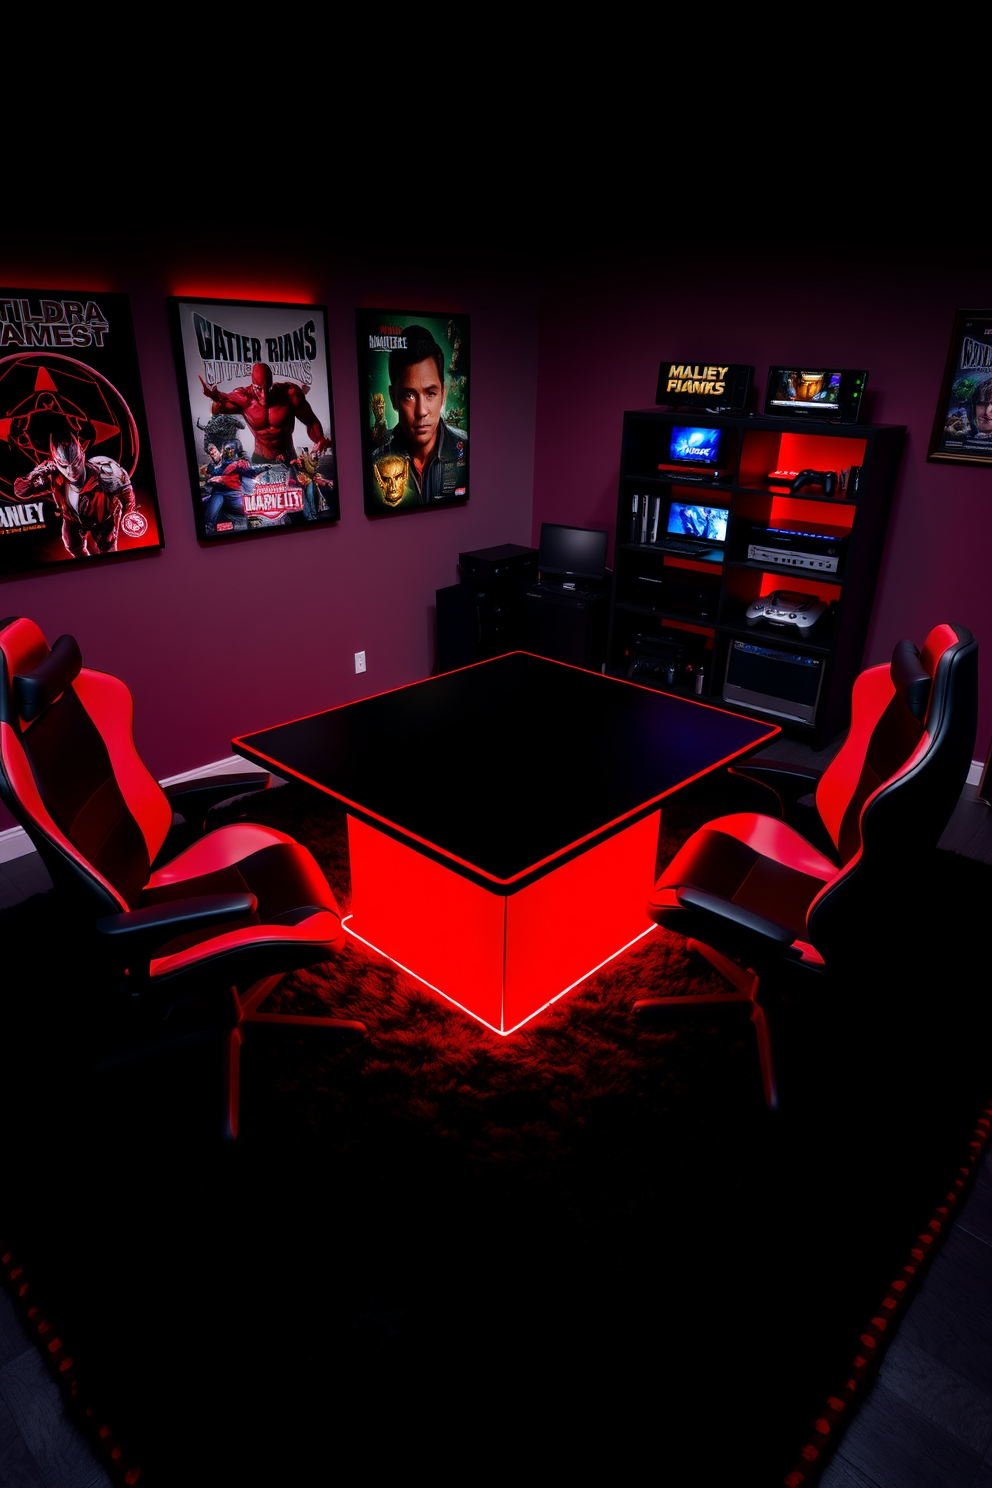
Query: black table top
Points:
[506, 768]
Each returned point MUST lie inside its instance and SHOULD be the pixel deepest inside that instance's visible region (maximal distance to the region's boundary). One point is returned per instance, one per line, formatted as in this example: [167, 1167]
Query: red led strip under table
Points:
[503, 819]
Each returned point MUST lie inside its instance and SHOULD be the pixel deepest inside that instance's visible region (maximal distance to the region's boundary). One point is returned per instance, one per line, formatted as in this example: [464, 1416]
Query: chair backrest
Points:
[889, 793]
[70, 773]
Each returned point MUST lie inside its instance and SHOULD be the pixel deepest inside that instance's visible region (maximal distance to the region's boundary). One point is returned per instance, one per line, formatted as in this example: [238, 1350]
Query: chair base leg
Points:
[763, 1034]
[257, 994]
[341, 1027]
[246, 1012]
[230, 1082]
[746, 990]
[737, 976]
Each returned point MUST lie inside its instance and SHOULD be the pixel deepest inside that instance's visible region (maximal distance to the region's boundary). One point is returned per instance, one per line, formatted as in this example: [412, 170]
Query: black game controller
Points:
[825, 478]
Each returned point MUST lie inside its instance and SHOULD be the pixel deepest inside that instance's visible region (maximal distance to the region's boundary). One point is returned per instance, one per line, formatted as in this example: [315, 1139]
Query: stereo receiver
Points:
[822, 551]
[785, 684]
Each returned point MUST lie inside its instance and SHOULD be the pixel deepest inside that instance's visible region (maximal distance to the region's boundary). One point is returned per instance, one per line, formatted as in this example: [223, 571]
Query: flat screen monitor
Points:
[698, 448]
[688, 519]
[832, 393]
[575, 552]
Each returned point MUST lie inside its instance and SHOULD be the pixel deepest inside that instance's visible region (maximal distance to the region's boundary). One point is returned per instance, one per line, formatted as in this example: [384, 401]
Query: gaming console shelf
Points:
[674, 614]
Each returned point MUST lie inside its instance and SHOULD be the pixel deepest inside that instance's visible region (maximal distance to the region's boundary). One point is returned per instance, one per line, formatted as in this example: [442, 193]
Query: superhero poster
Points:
[962, 429]
[76, 479]
[255, 388]
[413, 373]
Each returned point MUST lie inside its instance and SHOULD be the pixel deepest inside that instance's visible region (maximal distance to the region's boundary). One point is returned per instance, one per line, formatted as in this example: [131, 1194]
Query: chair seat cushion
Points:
[280, 872]
[297, 914]
[754, 862]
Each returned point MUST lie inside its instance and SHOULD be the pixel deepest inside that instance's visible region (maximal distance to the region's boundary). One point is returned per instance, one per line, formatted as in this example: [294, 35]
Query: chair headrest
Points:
[36, 690]
[910, 678]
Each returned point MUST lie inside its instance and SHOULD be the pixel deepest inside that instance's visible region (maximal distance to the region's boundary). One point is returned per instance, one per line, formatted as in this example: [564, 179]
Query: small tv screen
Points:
[816, 393]
[689, 520]
[702, 448]
[576, 552]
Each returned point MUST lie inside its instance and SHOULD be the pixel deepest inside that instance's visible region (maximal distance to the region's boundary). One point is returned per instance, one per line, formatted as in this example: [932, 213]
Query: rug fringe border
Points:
[828, 1428]
[61, 1364]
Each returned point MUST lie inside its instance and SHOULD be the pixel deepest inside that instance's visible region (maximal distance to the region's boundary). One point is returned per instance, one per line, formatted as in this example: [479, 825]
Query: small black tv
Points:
[831, 393]
[696, 446]
[688, 519]
[572, 552]
[697, 451]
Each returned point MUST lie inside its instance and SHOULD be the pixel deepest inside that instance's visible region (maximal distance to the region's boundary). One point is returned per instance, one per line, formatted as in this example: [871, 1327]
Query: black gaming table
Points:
[503, 818]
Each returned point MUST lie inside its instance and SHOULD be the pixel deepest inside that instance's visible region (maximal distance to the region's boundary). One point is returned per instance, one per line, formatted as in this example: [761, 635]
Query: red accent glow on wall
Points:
[502, 958]
[806, 451]
[689, 563]
[301, 293]
[790, 511]
[797, 582]
[704, 630]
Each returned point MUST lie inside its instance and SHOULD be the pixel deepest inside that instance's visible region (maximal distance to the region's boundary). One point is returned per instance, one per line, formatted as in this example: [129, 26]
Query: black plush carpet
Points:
[588, 1245]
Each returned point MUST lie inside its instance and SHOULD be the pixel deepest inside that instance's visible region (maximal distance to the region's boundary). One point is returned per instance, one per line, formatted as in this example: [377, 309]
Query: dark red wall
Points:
[606, 322]
[216, 640]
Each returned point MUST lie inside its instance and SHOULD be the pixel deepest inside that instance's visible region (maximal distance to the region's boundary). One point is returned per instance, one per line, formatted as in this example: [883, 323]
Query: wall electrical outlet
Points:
[359, 661]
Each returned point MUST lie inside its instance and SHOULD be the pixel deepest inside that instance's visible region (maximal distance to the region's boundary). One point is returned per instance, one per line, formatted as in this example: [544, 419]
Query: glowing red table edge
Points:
[498, 962]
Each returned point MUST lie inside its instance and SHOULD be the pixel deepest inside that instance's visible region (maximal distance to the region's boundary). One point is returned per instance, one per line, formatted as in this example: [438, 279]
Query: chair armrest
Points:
[137, 933]
[733, 914]
[789, 783]
[194, 798]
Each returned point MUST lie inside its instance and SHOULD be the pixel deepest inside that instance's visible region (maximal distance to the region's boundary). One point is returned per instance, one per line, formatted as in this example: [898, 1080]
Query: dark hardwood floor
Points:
[926, 1422]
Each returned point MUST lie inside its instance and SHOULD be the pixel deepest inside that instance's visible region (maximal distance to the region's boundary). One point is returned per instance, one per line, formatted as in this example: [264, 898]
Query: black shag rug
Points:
[586, 1247]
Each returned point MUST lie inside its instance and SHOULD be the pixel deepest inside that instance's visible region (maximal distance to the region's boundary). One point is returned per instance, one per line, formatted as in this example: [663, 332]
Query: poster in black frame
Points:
[76, 477]
[255, 388]
[413, 388]
[962, 426]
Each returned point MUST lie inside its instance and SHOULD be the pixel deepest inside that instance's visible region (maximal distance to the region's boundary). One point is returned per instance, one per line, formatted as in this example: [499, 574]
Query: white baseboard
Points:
[15, 842]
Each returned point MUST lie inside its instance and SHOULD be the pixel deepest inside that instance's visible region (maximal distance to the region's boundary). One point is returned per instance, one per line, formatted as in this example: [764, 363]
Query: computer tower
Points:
[474, 624]
[566, 626]
[486, 619]
[506, 567]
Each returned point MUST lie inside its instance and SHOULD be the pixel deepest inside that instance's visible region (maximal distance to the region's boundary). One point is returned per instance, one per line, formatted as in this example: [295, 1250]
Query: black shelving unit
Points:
[661, 594]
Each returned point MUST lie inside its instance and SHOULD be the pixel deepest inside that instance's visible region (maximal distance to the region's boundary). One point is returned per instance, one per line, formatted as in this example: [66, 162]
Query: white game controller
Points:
[787, 608]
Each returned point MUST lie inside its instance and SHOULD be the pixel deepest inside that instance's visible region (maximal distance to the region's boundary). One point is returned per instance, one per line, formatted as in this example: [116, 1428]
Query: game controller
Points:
[825, 478]
[787, 608]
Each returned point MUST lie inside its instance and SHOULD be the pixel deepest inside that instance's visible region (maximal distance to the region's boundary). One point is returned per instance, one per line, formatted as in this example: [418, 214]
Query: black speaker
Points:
[458, 633]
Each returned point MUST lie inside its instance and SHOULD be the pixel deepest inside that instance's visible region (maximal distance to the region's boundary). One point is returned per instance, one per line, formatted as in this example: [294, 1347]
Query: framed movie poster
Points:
[413, 374]
[962, 429]
[76, 478]
[255, 387]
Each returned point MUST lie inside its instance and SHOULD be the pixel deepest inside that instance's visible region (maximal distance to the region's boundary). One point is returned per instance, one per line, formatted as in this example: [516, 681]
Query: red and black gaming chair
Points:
[753, 887]
[218, 925]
